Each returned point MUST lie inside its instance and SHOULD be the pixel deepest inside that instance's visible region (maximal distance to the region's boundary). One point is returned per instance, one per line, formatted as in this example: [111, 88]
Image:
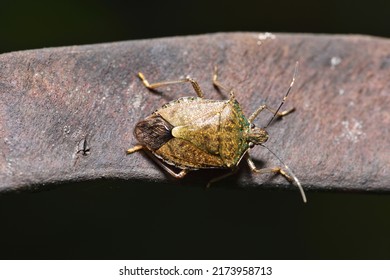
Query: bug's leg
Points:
[218, 84]
[277, 170]
[187, 79]
[216, 179]
[273, 111]
[276, 112]
[179, 175]
[134, 149]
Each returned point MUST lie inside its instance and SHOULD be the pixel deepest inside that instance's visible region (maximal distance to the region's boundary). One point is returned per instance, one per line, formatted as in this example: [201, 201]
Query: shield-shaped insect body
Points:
[195, 133]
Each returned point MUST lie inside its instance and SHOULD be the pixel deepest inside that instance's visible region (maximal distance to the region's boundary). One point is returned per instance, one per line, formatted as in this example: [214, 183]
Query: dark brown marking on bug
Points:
[153, 132]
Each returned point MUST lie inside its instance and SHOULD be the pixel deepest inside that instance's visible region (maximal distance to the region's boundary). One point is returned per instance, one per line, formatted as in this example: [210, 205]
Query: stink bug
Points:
[193, 133]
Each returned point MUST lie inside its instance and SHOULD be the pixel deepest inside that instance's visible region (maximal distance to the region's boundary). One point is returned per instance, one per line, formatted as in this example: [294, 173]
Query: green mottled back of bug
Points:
[208, 133]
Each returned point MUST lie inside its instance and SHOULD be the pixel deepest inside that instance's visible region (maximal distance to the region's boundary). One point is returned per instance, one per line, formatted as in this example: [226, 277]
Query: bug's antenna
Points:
[290, 174]
[285, 97]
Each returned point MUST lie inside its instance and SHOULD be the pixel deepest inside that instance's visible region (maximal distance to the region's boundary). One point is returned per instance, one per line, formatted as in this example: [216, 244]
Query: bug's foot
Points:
[144, 81]
[134, 149]
[278, 170]
[286, 112]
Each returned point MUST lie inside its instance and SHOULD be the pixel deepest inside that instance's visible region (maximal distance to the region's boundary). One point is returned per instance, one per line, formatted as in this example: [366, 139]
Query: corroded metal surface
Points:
[67, 114]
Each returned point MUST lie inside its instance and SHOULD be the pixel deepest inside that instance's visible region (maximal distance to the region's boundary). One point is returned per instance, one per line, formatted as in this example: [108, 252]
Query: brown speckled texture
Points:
[51, 100]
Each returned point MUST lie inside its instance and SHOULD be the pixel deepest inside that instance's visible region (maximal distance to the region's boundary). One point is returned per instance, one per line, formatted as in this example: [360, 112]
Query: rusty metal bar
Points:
[67, 114]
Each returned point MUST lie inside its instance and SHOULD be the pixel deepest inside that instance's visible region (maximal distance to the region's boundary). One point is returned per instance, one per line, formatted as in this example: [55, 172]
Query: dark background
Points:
[37, 24]
[118, 220]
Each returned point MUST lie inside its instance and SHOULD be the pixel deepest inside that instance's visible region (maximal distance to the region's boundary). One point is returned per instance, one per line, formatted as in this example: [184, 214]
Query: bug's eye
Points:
[252, 125]
[251, 145]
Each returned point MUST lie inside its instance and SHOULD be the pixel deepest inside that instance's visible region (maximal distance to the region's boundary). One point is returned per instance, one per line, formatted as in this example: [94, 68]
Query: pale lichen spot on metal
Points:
[334, 61]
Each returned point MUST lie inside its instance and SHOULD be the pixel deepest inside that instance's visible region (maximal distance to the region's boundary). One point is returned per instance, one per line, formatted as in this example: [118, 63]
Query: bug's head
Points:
[256, 136]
